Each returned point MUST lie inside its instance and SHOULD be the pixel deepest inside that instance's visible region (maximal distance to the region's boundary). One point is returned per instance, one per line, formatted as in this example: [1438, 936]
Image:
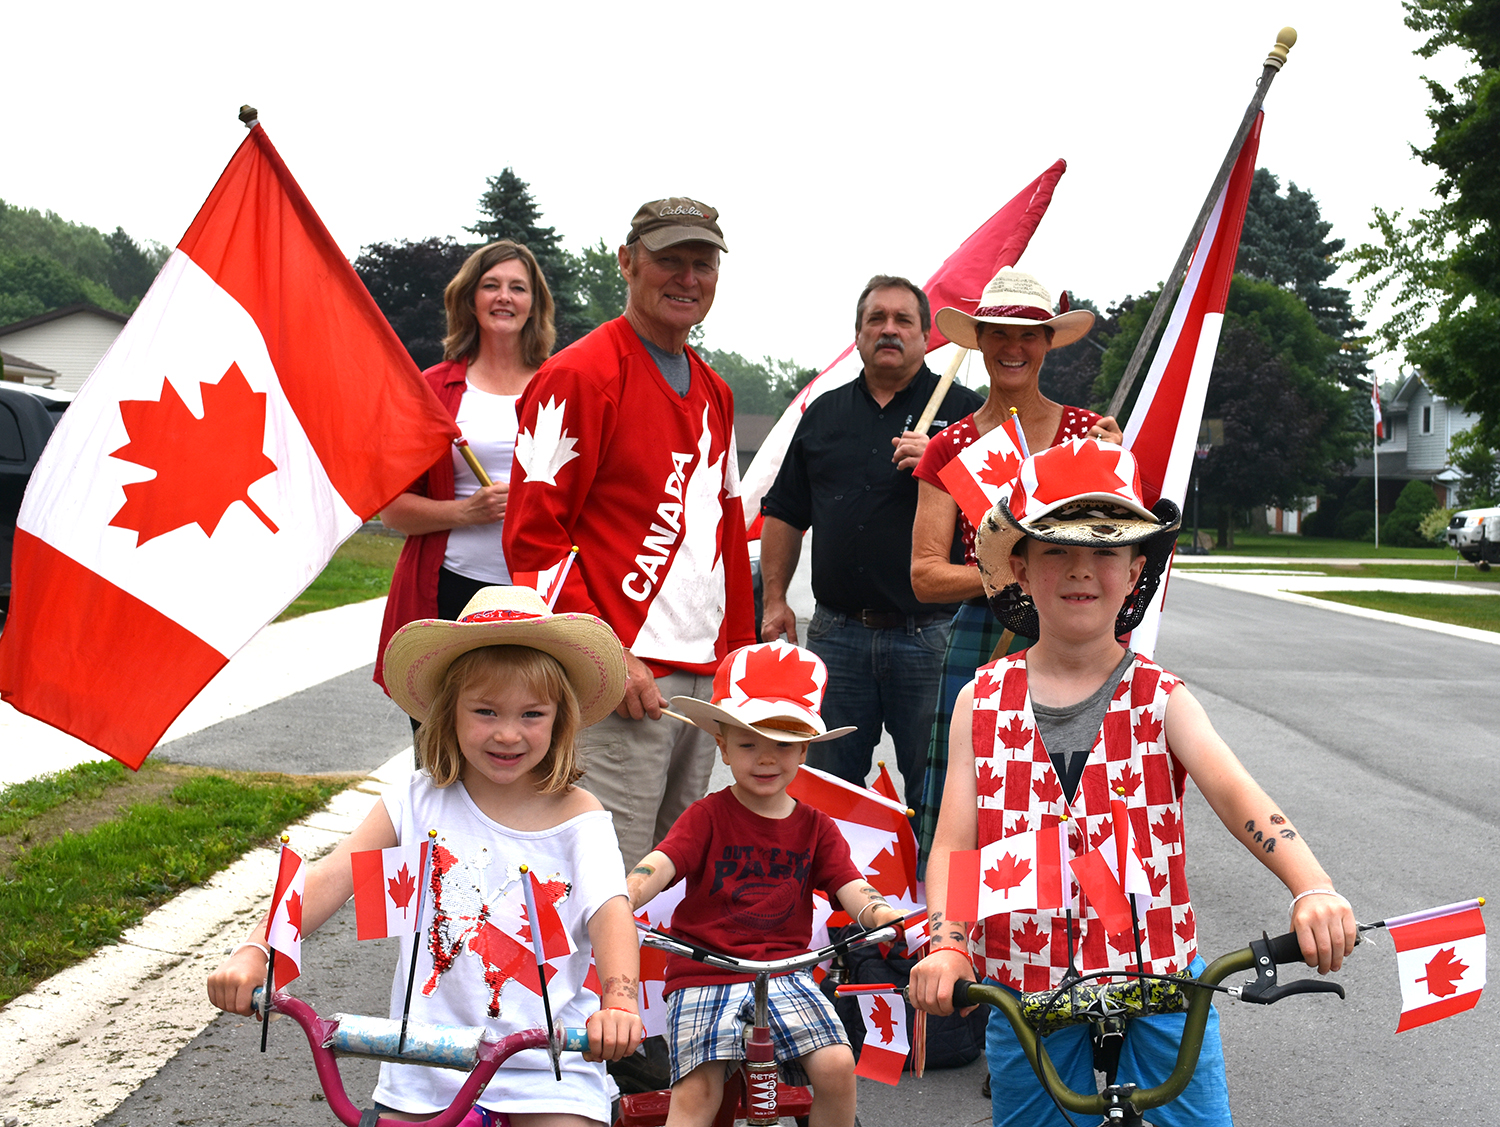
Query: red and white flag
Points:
[284, 934]
[253, 412]
[658, 914]
[886, 1043]
[1440, 958]
[958, 282]
[388, 887]
[1375, 406]
[982, 473]
[1024, 872]
[1162, 431]
[1113, 874]
[881, 842]
[548, 584]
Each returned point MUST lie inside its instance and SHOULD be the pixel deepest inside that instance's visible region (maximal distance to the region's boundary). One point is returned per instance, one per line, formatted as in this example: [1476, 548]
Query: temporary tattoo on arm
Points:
[1266, 840]
[644, 870]
[621, 985]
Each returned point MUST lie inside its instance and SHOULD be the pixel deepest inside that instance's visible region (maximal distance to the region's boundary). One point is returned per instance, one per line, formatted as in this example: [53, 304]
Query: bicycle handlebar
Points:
[1263, 955]
[689, 950]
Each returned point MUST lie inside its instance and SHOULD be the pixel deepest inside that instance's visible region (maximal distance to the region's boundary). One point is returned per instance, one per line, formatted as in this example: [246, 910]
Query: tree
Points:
[1400, 527]
[50, 262]
[132, 268]
[1069, 374]
[1444, 264]
[511, 213]
[759, 389]
[31, 284]
[1471, 457]
[600, 283]
[407, 281]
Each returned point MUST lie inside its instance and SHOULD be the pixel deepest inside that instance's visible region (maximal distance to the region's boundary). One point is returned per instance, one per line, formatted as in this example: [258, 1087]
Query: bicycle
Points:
[754, 1092]
[467, 1048]
[1107, 1006]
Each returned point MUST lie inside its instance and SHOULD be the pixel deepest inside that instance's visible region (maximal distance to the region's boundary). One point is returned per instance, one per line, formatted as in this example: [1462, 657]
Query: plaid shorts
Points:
[709, 1022]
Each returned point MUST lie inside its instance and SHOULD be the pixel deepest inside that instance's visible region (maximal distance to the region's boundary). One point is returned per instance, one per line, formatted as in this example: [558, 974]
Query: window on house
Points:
[1426, 420]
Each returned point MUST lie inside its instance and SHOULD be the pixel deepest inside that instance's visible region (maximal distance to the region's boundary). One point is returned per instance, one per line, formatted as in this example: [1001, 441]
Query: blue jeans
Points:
[877, 678]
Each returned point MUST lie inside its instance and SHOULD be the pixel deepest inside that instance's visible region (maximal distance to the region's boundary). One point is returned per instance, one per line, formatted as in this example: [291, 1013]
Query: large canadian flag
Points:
[958, 282]
[254, 411]
[1162, 431]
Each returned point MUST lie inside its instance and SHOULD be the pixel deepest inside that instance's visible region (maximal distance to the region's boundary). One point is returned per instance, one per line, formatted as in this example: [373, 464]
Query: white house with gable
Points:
[1418, 426]
[70, 341]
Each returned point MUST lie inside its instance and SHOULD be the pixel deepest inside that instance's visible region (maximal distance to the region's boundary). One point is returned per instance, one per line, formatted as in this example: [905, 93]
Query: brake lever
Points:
[1266, 990]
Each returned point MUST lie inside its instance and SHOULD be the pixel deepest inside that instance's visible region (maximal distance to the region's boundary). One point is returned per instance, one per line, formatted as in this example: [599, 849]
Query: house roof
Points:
[14, 363]
[1407, 389]
[57, 314]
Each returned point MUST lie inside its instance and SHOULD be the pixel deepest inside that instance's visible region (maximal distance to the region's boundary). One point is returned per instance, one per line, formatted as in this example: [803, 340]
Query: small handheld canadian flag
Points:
[387, 883]
[981, 473]
[548, 583]
[886, 1042]
[284, 935]
[1440, 958]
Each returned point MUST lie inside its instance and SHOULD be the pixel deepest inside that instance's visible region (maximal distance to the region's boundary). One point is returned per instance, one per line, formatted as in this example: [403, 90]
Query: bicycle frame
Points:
[1124, 1104]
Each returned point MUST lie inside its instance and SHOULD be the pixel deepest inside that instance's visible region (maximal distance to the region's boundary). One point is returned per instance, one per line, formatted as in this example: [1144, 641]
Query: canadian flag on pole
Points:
[1375, 405]
[284, 935]
[1024, 872]
[550, 582]
[1113, 872]
[657, 914]
[886, 1043]
[1162, 431]
[255, 409]
[881, 842]
[388, 890]
[1440, 958]
[982, 473]
[958, 282]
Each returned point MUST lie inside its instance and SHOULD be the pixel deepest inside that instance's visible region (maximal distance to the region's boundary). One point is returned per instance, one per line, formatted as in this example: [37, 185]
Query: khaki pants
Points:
[647, 772]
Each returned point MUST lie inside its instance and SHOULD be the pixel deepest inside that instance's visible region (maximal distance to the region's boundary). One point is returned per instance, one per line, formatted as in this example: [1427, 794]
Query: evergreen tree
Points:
[600, 283]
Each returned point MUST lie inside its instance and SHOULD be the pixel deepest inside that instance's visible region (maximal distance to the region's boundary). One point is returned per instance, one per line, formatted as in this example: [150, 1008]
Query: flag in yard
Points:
[253, 412]
[1440, 958]
[982, 473]
[284, 934]
[550, 582]
[1025, 872]
[880, 837]
[886, 1046]
[387, 890]
[958, 282]
[1162, 431]
[1375, 405]
[1100, 870]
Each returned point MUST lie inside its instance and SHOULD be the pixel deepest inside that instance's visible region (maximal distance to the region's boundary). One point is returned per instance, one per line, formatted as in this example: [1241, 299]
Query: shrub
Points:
[1399, 529]
[1434, 524]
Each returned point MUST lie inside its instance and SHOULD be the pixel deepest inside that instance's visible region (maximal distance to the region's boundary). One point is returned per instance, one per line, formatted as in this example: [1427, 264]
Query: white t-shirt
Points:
[473, 920]
[489, 423]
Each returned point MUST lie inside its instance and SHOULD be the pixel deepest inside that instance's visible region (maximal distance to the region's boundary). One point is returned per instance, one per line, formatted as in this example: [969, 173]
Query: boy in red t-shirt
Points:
[752, 856]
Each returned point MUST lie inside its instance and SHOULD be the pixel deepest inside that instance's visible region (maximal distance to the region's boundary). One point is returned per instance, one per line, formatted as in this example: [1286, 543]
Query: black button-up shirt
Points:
[839, 479]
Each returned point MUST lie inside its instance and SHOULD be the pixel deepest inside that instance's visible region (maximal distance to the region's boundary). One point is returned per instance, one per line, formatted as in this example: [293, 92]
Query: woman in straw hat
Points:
[1013, 328]
[502, 694]
[499, 331]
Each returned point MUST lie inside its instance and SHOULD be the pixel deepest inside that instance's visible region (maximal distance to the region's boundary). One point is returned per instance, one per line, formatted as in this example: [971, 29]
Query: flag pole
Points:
[474, 466]
[1375, 455]
[945, 381]
[416, 943]
[541, 961]
[1274, 62]
[265, 1014]
[562, 577]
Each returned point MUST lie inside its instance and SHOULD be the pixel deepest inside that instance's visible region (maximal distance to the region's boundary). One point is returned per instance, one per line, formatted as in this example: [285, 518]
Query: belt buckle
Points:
[864, 618]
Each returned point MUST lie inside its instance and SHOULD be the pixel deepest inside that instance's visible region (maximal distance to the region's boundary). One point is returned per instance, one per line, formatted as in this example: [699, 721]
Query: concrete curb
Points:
[73, 1049]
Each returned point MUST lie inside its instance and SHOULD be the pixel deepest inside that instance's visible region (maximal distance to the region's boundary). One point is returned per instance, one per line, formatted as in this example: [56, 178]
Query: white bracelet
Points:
[261, 947]
[1313, 892]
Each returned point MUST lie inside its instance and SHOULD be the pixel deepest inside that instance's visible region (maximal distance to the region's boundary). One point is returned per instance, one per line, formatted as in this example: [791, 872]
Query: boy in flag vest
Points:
[752, 856]
[1067, 728]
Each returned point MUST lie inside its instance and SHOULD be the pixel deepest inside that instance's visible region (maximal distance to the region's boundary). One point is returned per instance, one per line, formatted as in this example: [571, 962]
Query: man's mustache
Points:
[890, 340]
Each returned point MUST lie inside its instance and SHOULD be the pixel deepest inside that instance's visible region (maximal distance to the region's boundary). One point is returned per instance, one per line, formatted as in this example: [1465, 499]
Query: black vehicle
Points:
[28, 416]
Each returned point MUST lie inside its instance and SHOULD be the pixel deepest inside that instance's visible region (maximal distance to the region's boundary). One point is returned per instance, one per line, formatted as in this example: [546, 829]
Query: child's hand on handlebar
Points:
[613, 1033]
[231, 985]
[931, 985]
[1325, 929]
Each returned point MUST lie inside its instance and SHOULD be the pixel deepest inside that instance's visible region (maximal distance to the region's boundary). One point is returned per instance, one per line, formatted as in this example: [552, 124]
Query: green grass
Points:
[1301, 546]
[73, 892]
[1467, 573]
[22, 802]
[1482, 612]
[360, 569]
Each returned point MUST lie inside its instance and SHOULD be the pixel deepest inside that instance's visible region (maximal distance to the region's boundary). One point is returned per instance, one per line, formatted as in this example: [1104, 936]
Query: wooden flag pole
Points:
[1274, 62]
[944, 383]
[416, 944]
[478, 470]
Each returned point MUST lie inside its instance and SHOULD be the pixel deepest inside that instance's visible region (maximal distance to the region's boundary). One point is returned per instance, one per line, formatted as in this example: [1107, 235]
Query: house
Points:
[69, 341]
[18, 370]
[1417, 428]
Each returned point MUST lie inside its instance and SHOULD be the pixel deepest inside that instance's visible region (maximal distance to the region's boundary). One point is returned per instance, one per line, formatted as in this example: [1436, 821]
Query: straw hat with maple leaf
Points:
[1081, 491]
[773, 688]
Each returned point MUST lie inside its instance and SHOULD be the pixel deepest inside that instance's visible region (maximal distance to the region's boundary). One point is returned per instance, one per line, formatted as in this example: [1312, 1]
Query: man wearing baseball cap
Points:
[626, 452]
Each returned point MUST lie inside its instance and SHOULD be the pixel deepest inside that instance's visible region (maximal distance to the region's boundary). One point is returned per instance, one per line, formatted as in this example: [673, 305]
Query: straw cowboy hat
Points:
[1014, 298]
[758, 685]
[420, 653]
[1081, 491]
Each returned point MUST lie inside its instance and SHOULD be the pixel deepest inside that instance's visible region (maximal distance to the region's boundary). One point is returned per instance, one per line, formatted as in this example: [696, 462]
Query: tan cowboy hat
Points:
[760, 684]
[1014, 298]
[420, 653]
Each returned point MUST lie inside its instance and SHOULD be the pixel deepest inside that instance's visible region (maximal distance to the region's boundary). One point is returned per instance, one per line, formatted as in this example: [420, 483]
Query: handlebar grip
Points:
[961, 993]
[1285, 949]
[574, 1039]
[258, 1002]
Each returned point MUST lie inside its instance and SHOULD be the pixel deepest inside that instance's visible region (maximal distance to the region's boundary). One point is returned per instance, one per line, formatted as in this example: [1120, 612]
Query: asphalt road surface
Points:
[1379, 740]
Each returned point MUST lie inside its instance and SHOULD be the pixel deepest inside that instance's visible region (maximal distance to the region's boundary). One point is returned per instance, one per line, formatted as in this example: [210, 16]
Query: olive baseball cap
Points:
[676, 219]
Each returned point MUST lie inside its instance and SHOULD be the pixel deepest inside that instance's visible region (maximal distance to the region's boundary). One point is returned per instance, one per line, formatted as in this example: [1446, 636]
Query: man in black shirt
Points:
[847, 474]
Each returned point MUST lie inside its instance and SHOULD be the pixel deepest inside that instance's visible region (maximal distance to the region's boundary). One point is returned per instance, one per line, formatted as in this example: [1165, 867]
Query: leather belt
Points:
[892, 619]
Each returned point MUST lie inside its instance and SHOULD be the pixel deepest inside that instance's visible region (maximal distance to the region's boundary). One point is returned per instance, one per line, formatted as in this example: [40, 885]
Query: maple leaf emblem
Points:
[202, 466]
[294, 913]
[1100, 835]
[1008, 977]
[1443, 973]
[779, 673]
[1047, 788]
[987, 781]
[986, 685]
[999, 469]
[1079, 467]
[1006, 873]
[883, 1020]
[1015, 734]
[546, 448]
[1122, 941]
[1169, 829]
[1157, 882]
[1129, 780]
[401, 888]
[1016, 827]
[1030, 938]
[1187, 928]
[1148, 730]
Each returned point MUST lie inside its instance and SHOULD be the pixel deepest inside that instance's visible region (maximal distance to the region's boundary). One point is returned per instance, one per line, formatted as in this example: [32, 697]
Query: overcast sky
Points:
[837, 141]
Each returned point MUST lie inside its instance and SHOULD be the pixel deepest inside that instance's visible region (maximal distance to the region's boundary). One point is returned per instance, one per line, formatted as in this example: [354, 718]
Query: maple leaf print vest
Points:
[1019, 791]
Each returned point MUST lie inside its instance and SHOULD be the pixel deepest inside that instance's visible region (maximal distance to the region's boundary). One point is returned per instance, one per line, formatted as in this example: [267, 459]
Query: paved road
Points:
[1375, 737]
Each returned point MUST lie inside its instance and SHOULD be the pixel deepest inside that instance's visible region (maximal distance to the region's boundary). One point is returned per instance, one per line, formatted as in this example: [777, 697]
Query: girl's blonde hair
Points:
[437, 739]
